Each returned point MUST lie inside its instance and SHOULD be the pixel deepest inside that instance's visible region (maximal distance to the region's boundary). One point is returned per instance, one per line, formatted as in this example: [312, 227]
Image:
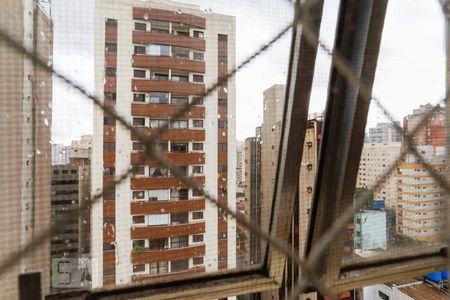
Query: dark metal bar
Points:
[358, 37]
[30, 286]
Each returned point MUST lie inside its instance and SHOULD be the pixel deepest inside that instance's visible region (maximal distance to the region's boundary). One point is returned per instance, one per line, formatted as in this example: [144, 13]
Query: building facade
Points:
[153, 57]
[370, 231]
[25, 168]
[433, 131]
[420, 199]
[384, 133]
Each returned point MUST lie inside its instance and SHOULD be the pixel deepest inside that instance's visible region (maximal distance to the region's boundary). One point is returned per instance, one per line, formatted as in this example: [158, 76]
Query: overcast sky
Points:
[410, 69]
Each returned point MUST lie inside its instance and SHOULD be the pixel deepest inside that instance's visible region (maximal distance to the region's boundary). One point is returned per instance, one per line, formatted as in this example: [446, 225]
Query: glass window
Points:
[158, 195]
[110, 47]
[197, 100]
[222, 169]
[160, 76]
[198, 56]
[158, 219]
[109, 96]
[179, 147]
[158, 244]
[109, 121]
[138, 268]
[222, 124]
[180, 52]
[137, 146]
[179, 124]
[180, 194]
[109, 247]
[197, 146]
[179, 265]
[157, 172]
[179, 218]
[158, 50]
[196, 192]
[157, 123]
[161, 267]
[139, 97]
[163, 146]
[222, 38]
[197, 169]
[138, 245]
[160, 26]
[139, 50]
[111, 22]
[197, 123]
[56, 172]
[138, 219]
[140, 26]
[197, 78]
[197, 215]
[109, 146]
[159, 98]
[139, 73]
[197, 260]
[183, 170]
[179, 100]
[138, 121]
[138, 195]
[223, 102]
[110, 72]
[107, 171]
[222, 146]
[181, 78]
[109, 271]
[223, 59]
[198, 34]
[197, 238]
[222, 235]
[179, 242]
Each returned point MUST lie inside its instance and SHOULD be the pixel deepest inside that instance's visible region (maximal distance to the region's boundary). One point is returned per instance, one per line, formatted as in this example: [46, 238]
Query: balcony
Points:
[155, 207]
[149, 256]
[164, 110]
[161, 183]
[146, 37]
[150, 232]
[141, 13]
[167, 62]
[177, 87]
[108, 234]
[174, 134]
[140, 278]
[109, 133]
[190, 158]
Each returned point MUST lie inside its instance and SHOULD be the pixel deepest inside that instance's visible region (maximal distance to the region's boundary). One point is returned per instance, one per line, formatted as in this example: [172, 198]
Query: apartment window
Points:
[139, 50]
[222, 169]
[158, 219]
[55, 172]
[196, 192]
[179, 265]
[197, 146]
[137, 146]
[160, 76]
[180, 194]
[197, 123]
[222, 102]
[222, 146]
[157, 123]
[222, 235]
[181, 78]
[197, 238]
[110, 47]
[223, 59]
[157, 172]
[140, 26]
[222, 257]
[109, 96]
[158, 50]
[197, 169]
[110, 72]
[183, 170]
[179, 124]
[161, 267]
[198, 56]
[198, 34]
[160, 26]
[158, 244]
[138, 245]
[109, 146]
[180, 52]
[139, 73]
[179, 218]
[106, 171]
[109, 271]
[138, 195]
[197, 78]
[139, 97]
[109, 194]
[138, 268]
[179, 242]
[111, 22]
[109, 247]
[158, 195]
[109, 120]
[197, 260]
[159, 98]
[197, 100]
[163, 146]
[382, 296]
[138, 219]
[138, 121]
[222, 38]
[197, 215]
[222, 124]
[179, 100]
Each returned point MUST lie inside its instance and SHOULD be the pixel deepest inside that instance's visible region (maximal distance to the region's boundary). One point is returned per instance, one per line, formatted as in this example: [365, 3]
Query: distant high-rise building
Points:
[370, 231]
[80, 151]
[156, 56]
[433, 130]
[376, 158]
[25, 96]
[384, 133]
[421, 201]
[60, 154]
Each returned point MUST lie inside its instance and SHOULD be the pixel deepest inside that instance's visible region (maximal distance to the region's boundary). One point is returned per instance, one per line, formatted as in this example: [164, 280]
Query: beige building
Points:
[25, 167]
[376, 159]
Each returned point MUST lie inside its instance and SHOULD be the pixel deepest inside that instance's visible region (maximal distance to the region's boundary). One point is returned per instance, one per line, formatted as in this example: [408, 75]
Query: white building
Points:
[410, 289]
[370, 231]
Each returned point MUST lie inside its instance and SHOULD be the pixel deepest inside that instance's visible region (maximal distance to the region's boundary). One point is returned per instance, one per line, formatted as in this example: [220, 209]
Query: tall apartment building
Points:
[25, 168]
[420, 199]
[80, 151]
[384, 133]
[60, 154]
[70, 189]
[153, 57]
[433, 133]
[376, 159]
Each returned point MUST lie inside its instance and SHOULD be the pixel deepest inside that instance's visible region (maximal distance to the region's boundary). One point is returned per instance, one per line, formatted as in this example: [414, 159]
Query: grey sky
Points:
[410, 70]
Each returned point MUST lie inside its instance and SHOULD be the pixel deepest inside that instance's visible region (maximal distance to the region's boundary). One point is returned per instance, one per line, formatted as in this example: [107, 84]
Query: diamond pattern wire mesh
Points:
[149, 142]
